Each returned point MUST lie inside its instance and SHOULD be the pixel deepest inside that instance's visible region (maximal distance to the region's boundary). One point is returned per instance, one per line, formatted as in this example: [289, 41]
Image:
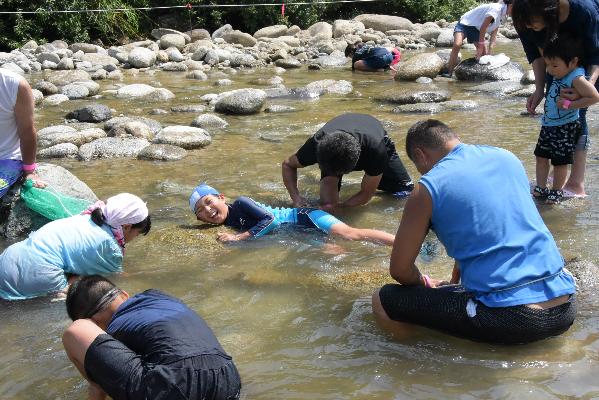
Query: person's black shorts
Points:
[558, 143]
[446, 309]
[122, 374]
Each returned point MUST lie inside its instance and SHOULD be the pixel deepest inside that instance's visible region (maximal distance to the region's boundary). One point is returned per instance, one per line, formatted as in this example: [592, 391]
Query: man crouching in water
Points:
[148, 346]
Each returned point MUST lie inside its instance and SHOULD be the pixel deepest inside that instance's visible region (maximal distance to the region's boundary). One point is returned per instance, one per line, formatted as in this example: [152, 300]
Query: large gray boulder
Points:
[434, 108]
[186, 137]
[239, 37]
[501, 88]
[52, 57]
[331, 61]
[384, 23]
[61, 150]
[172, 40]
[445, 38]
[271, 31]
[46, 87]
[84, 47]
[288, 63]
[471, 70]
[58, 134]
[158, 33]
[343, 27]
[132, 129]
[112, 147]
[140, 57]
[55, 99]
[220, 32]
[62, 78]
[424, 64]
[162, 152]
[91, 113]
[209, 121]
[146, 92]
[242, 60]
[241, 102]
[16, 220]
[75, 91]
[154, 125]
[321, 31]
[413, 97]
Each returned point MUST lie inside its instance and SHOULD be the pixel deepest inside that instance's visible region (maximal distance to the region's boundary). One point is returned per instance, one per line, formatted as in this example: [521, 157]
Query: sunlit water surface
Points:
[293, 308]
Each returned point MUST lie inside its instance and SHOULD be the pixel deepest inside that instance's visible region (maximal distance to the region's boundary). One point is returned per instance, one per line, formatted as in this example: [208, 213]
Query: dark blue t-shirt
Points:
[161, 329]
[582, 23]
[246, 215]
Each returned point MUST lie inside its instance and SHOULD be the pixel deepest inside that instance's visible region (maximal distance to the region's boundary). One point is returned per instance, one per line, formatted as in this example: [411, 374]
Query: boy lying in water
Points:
[254, 219]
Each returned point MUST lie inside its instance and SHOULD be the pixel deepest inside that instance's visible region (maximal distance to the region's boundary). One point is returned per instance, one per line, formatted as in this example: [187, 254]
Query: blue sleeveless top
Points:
[485, 217]
[555, 116]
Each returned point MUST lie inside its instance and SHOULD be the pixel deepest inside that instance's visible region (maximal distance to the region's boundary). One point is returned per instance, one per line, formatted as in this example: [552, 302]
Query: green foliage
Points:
[112, 26]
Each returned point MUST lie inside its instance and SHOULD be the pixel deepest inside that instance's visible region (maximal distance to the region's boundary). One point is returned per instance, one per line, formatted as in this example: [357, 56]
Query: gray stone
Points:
[241, 102]
[423, 80]
[278, 108]
[459, 105]
[45, 65]
[30, 45]
[38, 96]
[66, 63]
[52, 57]
[174, 54]
[62, 150]
[197, 74]
[198, 34]
[471, 70]
[445, 38]
[92, 87]
[528, 78]
[424, 64]
[209, 121]
[331, 61]
[160, 94]
[220, 32]
[162, 152]
[91, 113]
[154, 125]
[189, 108]
[46, 87]
[321, 31]
[186, 137]
[132, 129]
[99, 59]
[223, 82]
[135, 90]
[193, 65]
[242, 60]
[57, 134]
[238, 37]
[497, 88]
[115, 75]
[158, 33]
[418, 108]
[140, 57]
[16, 220]
[526, 91]
[112, 147]
[384, 23]
[62, 78]
[99, 75]
[84, 47]
[290, 41]
[55, 99]
[172, 40]
[75, 91]
[343, 27]
[412, 97]
[200, 53]
[158, 111]
[429, 34]
[174, 66]
[271, 31]
[329, 86]
[288, 63]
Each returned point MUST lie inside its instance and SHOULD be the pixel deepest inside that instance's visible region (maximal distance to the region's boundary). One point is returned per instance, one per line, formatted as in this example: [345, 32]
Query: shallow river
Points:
[293, 308]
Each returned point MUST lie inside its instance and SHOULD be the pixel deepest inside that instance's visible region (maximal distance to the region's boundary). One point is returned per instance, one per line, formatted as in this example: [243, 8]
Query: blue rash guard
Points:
[247, 215]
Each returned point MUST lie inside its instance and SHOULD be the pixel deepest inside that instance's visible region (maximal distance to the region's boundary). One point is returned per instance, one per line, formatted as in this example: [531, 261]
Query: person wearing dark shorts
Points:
[148, 346]
[349, 142]
[509, 284]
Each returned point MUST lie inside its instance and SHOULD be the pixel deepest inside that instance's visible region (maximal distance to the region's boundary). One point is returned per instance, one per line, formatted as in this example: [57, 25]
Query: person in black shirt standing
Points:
[148, 346]
[349, 142]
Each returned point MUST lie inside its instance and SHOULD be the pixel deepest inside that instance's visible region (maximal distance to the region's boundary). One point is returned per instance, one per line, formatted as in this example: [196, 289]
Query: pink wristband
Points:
[29, 167]
[566, 104]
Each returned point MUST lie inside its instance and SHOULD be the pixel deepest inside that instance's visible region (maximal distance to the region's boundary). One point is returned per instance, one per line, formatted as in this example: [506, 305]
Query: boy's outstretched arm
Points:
[233, 237]
[588, 94]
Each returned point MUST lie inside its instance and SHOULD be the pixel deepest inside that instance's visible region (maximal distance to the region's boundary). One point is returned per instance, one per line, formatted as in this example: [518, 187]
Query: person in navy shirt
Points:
[147, 346]
[538, 22]
[513, 284]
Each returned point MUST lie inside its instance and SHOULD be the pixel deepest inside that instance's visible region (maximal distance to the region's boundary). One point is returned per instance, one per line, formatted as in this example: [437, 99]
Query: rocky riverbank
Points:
[61, 72]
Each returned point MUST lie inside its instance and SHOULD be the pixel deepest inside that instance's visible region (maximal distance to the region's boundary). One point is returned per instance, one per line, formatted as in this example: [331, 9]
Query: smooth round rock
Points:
[186, 137]
[162, 152]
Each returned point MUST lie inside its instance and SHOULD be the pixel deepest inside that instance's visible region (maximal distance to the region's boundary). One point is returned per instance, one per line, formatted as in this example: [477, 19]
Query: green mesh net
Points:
[51, 203]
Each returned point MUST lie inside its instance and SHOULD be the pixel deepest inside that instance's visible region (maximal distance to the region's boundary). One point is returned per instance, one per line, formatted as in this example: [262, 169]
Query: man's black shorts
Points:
[122, 374]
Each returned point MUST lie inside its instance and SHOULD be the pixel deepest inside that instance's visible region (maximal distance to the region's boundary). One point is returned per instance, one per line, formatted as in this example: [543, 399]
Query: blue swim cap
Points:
[199, 192]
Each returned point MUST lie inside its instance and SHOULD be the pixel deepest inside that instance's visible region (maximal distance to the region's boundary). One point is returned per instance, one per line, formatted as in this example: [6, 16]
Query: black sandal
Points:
[540, 192]
[555, 196]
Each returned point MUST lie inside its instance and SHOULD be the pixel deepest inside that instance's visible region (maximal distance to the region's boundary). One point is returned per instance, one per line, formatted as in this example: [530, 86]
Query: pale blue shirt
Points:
[75, 245]
[555, 116]
[485, 217]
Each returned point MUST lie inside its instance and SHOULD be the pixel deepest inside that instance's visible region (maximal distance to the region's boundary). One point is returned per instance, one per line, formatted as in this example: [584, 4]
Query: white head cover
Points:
[124, 208]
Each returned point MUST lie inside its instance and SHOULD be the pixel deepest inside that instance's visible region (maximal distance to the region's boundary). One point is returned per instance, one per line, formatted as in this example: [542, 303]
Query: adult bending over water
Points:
[514, 288]
[539, 21]
[87, 244]
[349, 142]
[148, 346]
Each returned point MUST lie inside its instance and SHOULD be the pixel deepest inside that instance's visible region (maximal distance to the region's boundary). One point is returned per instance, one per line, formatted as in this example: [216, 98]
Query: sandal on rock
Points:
[554, 196]
[540, 192]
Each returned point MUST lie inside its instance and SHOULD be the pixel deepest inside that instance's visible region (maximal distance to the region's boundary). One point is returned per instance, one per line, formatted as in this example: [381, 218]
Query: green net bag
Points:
[51, 203]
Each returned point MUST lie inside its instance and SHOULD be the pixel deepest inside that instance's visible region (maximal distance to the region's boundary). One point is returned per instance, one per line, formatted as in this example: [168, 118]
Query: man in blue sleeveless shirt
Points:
[514, 288]
[148, 346]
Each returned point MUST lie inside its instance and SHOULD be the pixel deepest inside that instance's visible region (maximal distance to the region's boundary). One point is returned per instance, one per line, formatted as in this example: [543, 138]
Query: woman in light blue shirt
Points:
[514, 287]
[92, 243]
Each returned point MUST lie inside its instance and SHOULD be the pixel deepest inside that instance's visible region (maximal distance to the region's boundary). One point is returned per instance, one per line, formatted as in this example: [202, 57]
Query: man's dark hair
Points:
[351, 49]
[429, 133]
[88, 295]
[566, 47]
[525, 11]
[337, 153]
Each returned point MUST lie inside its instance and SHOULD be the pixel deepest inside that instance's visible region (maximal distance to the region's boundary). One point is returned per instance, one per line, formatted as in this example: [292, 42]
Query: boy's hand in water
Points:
[227, 237]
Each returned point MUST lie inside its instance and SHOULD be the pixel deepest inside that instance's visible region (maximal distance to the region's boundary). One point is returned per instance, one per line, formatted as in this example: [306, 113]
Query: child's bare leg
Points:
[560, 172]
[76, 341]
[542, 170]
[371, 235]
[458, 40]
